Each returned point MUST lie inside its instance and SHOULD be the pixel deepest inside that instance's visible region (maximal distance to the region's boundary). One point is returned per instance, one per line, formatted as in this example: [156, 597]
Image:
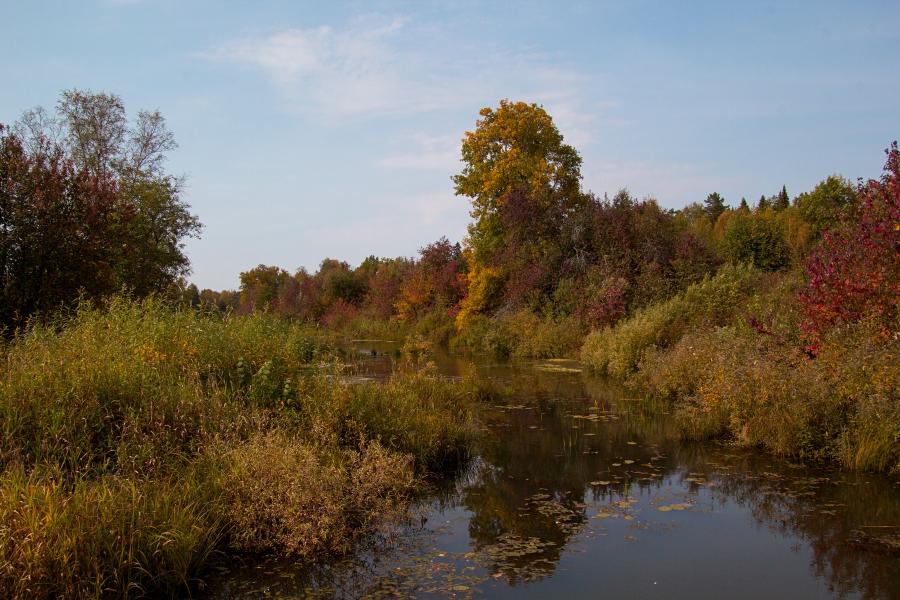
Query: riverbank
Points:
[579, 486]
[728, 353]
[137, 441]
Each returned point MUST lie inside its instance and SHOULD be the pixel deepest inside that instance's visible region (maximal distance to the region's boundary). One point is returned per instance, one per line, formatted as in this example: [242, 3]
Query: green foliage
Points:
[825, 204]
[756, 238]
[714, 205]
[522, 334]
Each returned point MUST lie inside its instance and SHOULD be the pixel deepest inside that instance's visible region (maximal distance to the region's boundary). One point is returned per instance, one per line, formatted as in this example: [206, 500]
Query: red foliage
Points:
[607, 306]
[61, 230]
[339, 314]
[854, 272]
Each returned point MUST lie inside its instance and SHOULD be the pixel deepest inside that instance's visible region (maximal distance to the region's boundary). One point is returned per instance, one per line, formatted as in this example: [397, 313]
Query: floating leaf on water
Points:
[631, 443]
[628, 462]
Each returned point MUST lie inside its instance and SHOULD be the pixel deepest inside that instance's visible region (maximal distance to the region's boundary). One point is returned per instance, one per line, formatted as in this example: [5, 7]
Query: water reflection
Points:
[580, 491]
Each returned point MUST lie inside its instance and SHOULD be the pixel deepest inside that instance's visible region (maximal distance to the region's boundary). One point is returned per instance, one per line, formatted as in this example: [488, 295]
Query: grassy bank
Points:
[136, 441]
[728, 353]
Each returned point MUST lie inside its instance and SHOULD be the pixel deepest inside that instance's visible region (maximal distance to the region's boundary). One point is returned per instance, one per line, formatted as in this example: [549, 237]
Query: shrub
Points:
[854, 273]
[757, 238]
[134, 439]
[286, 496]
[522, 334]
[618, 350]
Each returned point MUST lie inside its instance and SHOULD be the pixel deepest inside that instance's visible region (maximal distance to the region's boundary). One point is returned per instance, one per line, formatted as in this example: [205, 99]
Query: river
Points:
[580, 490]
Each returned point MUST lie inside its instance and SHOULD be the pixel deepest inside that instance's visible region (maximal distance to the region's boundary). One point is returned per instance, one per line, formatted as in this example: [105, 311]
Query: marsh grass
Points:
[520, 334]
[136, 440]
[728, 353]
[760, 389]
[618, 350]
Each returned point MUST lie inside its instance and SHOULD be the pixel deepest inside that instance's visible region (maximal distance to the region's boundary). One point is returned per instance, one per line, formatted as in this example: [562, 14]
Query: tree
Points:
[714, 206]
[339, 282]
[515, 147]
[85, 178]
[152, 232]
[744, 206]
[825, 204]
[781, 200]
[757, 238]
[260, 286]
[854, 272]
[58, 231]
[96, 128]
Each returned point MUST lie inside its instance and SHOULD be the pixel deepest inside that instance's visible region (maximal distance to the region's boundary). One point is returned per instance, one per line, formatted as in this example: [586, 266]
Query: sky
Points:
[309, 130]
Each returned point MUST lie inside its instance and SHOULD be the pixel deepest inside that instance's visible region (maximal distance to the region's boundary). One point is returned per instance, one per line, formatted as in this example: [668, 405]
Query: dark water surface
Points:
[581, 491]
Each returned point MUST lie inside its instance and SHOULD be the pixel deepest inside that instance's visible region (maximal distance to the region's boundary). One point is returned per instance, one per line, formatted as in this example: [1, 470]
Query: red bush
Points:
[854, 272]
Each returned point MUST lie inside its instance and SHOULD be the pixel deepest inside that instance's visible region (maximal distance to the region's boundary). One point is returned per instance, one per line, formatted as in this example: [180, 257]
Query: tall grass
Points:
[619, 349]
[136, 439]
[841, 406]
[741, 373]
[521, 334]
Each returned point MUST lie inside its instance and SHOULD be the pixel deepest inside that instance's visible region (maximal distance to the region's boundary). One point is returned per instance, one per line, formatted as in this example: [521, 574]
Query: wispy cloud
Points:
[380, 66]
[423, 217]
[331, 72]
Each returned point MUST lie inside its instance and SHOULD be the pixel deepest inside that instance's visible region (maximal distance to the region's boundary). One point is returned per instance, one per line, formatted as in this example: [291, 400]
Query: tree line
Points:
[538, 242]
[87, 209]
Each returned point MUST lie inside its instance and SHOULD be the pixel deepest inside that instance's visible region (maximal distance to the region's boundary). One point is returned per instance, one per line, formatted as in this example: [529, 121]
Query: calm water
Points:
[580, 491]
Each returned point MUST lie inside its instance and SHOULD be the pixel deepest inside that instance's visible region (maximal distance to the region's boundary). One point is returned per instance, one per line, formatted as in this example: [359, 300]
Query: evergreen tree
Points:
[714, 206]
[782, 200]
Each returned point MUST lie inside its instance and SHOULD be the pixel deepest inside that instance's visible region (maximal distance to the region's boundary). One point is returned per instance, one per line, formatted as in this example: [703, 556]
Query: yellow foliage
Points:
[485, 284]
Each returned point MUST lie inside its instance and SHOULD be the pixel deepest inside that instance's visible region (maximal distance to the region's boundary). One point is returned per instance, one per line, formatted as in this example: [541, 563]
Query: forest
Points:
[190, 422]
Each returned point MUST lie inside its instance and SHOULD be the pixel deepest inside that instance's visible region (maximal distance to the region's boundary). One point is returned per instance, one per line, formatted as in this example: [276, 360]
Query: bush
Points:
[285, 496]
[757, 238]
[522, 334]
[619, 349]
[854, 272]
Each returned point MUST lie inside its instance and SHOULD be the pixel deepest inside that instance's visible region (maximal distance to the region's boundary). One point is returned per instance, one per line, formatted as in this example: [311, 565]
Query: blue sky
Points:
[311, 129]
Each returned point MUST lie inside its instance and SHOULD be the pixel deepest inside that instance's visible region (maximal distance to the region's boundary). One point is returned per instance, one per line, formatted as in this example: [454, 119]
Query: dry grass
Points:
[135, 440]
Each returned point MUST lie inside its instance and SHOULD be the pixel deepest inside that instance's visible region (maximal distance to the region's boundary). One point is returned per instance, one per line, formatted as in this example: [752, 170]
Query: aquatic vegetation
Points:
[136, 440]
